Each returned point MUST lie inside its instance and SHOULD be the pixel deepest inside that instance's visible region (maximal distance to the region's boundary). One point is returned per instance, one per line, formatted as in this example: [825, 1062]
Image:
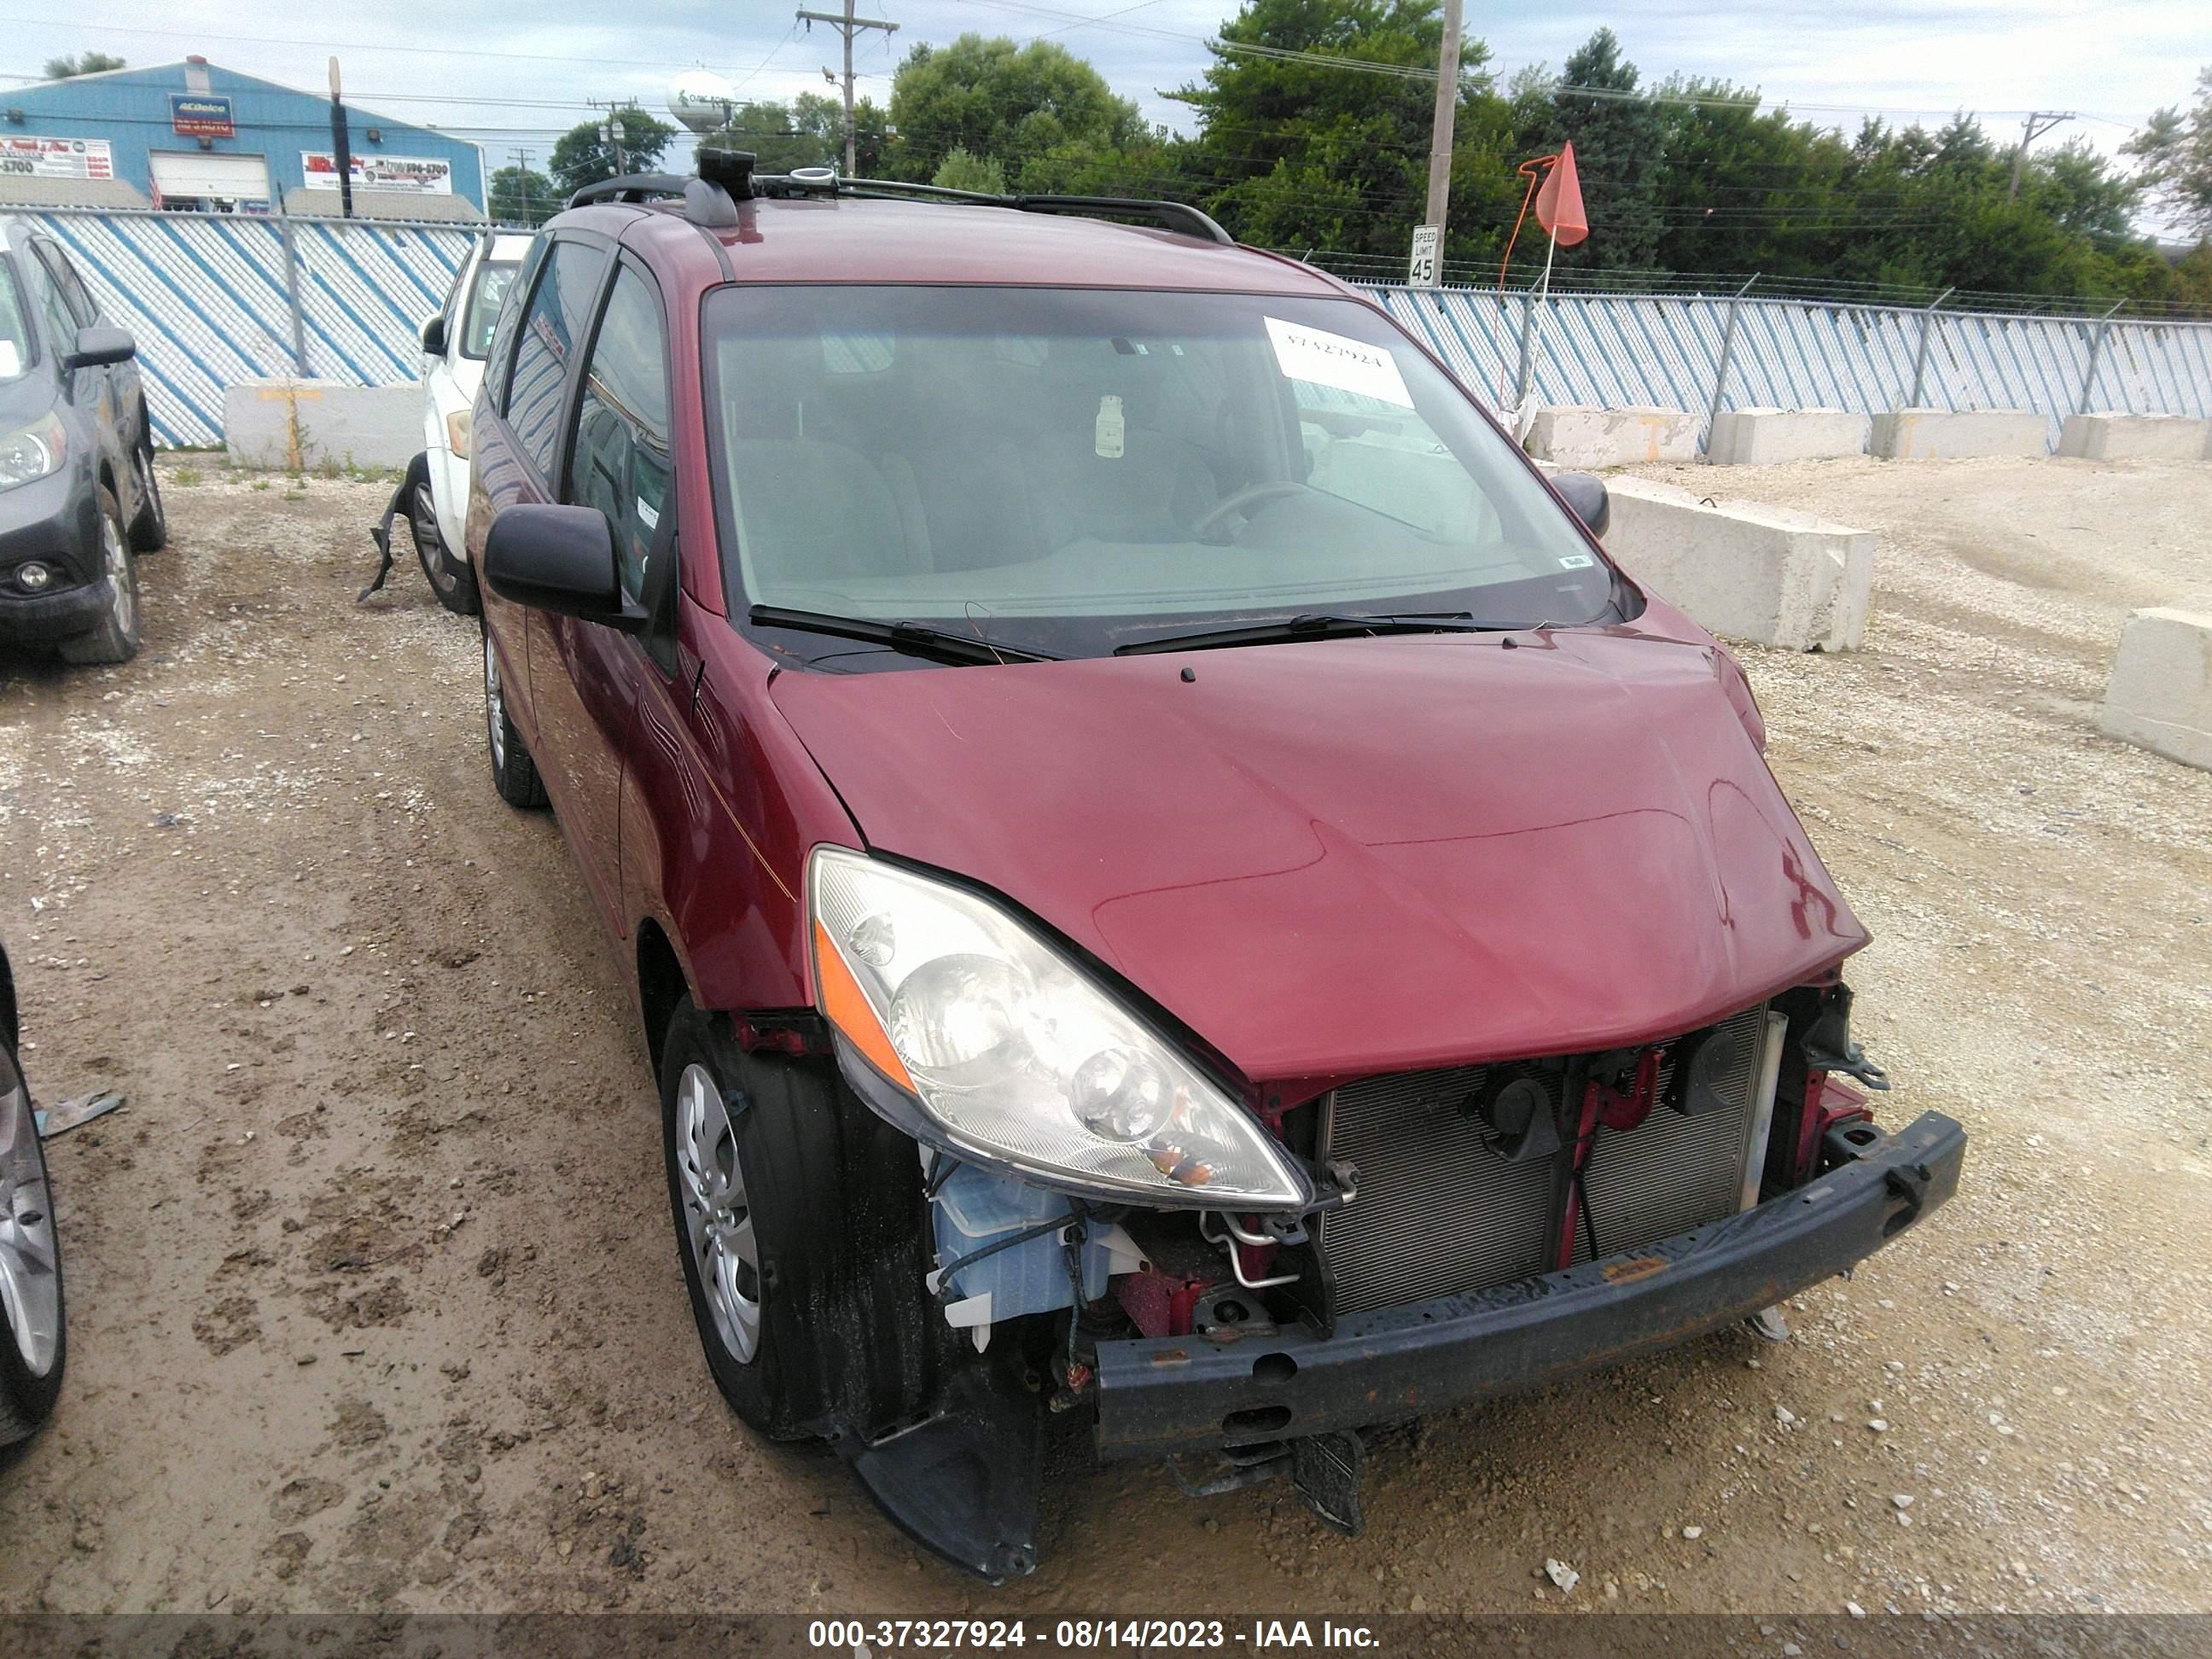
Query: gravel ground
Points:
[374, 1303]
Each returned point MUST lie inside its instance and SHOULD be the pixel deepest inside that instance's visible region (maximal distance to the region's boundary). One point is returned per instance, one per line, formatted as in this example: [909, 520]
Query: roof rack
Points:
[1178, 217]
[725, 178]
[710, 198]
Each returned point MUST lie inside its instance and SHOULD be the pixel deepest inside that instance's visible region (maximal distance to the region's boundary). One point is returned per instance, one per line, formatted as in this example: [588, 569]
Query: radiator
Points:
[1440, 1212]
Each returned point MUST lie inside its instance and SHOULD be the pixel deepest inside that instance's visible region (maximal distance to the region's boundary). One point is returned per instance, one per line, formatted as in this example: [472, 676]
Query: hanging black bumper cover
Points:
[417, 475]
[1164, 1395]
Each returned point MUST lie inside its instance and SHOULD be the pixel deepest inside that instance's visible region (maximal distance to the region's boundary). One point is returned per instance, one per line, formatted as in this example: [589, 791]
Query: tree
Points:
[87, 62]
[1000, 102]
[781, 137]
[583, 156]
[1298, 153]
[961, 171]
[523, 195]
[2176, 153]
[1618, 137]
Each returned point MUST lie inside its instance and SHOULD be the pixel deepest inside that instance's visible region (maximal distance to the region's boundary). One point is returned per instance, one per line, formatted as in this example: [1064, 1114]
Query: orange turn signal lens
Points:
[457, 433]
[846, 1006]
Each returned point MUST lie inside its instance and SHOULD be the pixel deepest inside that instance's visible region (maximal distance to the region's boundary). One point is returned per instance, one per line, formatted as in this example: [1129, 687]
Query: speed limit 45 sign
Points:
[1422, 271]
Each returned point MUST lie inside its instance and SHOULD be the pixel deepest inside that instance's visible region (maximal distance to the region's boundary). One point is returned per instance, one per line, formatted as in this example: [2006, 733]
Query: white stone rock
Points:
[336, 424]
[2159, 696]
[1576, 435]
[1762, 437]
[1771, 576]
[1946, 435]
[2112, 435]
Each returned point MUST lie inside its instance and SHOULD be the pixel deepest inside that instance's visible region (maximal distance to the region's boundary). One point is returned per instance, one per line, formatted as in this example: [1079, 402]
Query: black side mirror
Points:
[98, 346]
[433, 336]
[1585, 493]
[559, 559]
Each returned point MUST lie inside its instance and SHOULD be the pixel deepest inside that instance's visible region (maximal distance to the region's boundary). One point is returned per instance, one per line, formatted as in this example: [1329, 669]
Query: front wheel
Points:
[32, 1345]
[513, 773]
[800, 1220]
[116, 637]
[740, 1230]
[450, 578]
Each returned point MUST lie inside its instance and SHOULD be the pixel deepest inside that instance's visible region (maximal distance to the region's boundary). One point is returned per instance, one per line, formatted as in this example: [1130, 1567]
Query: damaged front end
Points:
[1240, 1283]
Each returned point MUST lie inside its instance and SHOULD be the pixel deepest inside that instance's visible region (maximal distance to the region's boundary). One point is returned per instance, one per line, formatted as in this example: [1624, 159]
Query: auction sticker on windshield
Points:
[1322, 358]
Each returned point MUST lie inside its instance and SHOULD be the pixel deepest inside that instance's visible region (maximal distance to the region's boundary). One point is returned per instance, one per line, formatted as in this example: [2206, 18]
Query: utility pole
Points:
[1431, 232]
[2038, 122]
[522, 180]
[341, 149]
[610, 131]
[847, 25]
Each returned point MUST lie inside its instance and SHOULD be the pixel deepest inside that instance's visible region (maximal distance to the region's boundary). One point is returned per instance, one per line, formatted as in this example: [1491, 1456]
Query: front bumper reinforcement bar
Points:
[1163, 1395]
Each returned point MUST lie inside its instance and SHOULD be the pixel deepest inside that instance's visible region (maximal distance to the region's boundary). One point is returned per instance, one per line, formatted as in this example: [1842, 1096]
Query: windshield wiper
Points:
[1316, 626]
[918, 638]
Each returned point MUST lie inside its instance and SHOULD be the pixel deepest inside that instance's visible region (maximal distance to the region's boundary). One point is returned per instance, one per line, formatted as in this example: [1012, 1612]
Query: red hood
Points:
[1343, 857]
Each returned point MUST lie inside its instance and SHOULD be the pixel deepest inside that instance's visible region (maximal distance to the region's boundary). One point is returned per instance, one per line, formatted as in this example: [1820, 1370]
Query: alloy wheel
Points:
[495, 707]
[717, 1214]
[115, 564]
[30, 1287]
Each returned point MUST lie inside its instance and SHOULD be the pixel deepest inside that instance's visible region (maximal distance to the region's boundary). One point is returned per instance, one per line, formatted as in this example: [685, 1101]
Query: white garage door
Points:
[193, 174]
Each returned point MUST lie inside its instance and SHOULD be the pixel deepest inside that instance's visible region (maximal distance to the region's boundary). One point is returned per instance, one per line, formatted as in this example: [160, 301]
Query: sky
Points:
[512, 75]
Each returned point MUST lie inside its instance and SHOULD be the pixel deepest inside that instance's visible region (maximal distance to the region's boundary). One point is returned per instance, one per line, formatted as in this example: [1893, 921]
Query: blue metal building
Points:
[191, 135]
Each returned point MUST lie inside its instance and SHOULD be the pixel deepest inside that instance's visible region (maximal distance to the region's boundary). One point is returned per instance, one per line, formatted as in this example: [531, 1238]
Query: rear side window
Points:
[481, 315]
[552, 328]
[620, 461]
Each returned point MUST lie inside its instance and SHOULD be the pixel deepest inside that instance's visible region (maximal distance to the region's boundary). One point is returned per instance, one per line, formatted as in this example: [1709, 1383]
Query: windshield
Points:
[17, 351]
[492, 280]
[1088, 469]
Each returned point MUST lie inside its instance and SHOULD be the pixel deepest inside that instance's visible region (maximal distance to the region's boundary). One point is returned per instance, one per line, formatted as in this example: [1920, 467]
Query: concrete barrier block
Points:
[1761, 437]
[1951, 434]
[2110, 435]
[2159, 696]
[356, 425]
[1767, 575]
[1578, 436]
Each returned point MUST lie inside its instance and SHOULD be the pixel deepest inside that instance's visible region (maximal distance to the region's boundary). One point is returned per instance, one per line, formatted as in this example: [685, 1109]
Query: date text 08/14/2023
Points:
[857, 1636]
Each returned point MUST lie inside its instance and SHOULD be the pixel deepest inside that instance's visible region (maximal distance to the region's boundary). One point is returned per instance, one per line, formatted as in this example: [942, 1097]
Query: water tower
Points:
[701, 101]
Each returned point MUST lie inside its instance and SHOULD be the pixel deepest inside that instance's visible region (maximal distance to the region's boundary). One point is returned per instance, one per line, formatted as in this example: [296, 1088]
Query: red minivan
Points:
[1174, 895]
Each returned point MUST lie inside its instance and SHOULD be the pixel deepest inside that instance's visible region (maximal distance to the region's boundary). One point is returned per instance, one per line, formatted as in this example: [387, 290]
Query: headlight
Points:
[35, 452]
[457, 433]
[1017, 1056]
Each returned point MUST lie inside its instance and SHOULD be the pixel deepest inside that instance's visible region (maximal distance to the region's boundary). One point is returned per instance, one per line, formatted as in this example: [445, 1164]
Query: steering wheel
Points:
[1243, 501]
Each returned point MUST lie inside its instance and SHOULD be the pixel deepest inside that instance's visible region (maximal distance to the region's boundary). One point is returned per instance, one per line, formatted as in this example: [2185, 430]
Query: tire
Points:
[149, 527]
[513, 773]
[826, 1198]
[116, 637]
[450, 579]
[33, 1336]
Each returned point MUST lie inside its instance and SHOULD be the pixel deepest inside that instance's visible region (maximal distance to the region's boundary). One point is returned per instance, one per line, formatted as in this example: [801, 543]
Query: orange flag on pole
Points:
[1560, 201]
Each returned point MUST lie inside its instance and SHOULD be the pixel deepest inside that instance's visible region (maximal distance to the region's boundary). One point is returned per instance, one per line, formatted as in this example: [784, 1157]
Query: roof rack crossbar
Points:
[1178, 217]
[705, 202]
[630, 187]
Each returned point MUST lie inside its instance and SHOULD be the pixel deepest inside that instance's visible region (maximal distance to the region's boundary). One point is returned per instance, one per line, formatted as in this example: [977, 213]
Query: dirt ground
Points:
[374, 1303]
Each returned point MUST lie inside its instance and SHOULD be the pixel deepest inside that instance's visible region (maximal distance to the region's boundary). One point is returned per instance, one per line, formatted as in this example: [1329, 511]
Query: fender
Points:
[721, 803]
